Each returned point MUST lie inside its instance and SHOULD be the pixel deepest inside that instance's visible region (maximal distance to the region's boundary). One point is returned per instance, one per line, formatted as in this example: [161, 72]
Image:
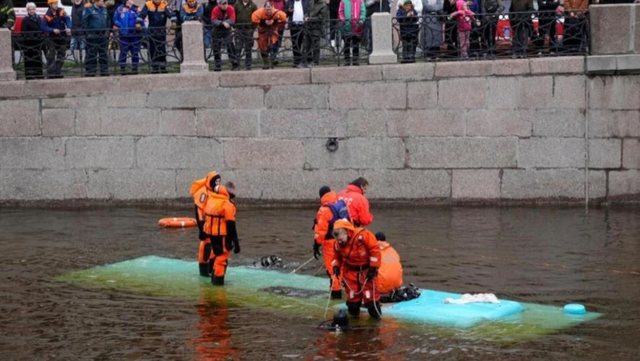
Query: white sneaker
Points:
[333, 43]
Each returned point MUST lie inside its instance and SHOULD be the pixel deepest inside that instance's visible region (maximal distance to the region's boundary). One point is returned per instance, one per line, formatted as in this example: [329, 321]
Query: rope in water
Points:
[302, 265]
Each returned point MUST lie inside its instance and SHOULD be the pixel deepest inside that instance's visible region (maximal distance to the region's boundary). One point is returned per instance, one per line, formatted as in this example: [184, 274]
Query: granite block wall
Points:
[490, 131]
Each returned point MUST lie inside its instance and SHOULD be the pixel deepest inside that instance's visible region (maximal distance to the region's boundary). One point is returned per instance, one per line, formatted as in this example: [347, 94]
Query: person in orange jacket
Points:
[323, 235]
[357, 203]
[357, 258]
[268, 20]
[216, 219]
[389, 278]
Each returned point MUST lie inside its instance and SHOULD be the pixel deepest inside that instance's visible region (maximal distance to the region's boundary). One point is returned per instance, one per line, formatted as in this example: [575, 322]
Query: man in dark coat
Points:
[32, 33]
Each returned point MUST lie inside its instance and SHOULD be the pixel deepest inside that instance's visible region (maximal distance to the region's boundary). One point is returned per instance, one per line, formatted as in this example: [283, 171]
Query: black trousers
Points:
[97, 55]
[244, 42]
[158, 53]
[221, 38]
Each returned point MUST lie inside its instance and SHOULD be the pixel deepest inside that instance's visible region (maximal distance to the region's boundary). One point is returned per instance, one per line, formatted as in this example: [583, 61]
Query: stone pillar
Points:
[615, 29]
[6, 66]
[382, 41]
[193, 48]
[615, 38]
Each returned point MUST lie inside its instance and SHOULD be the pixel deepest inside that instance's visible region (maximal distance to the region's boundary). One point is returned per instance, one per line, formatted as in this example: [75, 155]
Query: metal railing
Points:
[430, 36]
[312, 43]
[103, 52]
[434, 36]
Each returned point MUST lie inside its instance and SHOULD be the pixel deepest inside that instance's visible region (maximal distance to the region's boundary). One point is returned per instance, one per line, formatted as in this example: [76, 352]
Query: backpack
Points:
[340, 211]
[401, 294]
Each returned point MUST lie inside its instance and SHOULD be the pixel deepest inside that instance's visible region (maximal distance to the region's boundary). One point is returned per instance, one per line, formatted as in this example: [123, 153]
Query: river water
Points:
[543, 255]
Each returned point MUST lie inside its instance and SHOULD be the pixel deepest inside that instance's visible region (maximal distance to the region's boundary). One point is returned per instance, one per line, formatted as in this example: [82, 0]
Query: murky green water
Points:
[550, 256]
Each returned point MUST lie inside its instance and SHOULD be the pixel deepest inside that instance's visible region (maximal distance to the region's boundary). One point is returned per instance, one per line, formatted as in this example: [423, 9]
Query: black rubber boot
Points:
[204, 269]
[374, 310]
[336, 295]
[353, 308]
[217, 281]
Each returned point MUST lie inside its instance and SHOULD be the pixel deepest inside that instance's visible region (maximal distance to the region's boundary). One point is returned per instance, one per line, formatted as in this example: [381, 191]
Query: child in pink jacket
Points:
[464, 18]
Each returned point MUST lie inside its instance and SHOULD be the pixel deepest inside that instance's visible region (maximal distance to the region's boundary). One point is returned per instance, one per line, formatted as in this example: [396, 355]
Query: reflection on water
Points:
[213, 341]
[550, 256]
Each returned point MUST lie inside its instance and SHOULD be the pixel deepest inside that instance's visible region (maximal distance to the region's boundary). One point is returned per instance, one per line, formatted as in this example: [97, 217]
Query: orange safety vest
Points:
[324, 217]
[214, 206]
[153, 7]
[190, 9]
[390, 272]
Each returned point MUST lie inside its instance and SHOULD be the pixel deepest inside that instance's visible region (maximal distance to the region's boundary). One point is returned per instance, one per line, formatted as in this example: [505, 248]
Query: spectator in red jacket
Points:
[223, 18]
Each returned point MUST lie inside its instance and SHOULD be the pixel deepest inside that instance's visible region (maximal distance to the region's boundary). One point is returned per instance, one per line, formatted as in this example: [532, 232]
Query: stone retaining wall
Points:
[515, 130]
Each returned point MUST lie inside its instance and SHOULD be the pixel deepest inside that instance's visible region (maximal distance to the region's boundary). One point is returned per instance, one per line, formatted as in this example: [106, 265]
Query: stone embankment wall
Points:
[514, 130]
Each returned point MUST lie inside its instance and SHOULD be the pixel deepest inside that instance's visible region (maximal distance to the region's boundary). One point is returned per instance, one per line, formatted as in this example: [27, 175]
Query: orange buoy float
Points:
[177, 222]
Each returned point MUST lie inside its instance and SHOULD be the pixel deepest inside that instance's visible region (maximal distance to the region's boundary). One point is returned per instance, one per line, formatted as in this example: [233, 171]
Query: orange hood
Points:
[203, 182]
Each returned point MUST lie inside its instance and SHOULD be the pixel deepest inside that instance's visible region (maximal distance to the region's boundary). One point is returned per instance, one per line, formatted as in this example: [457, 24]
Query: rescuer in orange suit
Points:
[216, 217]
[389, 277]
[357, 258]
[323, 237]
[358, 205]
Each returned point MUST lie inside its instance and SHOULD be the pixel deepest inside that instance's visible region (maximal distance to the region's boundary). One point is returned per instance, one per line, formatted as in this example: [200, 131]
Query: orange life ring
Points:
[177, 222]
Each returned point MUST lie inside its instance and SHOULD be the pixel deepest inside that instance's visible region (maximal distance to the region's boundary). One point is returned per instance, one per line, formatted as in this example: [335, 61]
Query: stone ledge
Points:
[58, 88]
[510, 67]
[346, 74]
[412, 72]
[558, 65]
[462, 69]
[265, 78]
[613, 64]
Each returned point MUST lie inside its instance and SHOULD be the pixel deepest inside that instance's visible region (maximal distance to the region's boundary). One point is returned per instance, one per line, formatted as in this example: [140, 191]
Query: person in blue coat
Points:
[124, 22]
[95, 23]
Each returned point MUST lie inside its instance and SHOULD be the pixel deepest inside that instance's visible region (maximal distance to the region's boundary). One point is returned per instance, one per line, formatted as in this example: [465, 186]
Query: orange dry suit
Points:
[216, 216]
[390, 273]
[358, 205]
[324, 238]
[357, 261]
[268, 34]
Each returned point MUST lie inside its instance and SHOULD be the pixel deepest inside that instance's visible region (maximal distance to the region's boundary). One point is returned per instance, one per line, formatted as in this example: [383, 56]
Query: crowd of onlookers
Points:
[458, 27]
[232, 28]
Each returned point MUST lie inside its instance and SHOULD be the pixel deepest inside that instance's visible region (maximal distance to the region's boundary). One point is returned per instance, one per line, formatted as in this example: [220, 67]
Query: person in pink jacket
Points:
[352, 14]
[464, 17]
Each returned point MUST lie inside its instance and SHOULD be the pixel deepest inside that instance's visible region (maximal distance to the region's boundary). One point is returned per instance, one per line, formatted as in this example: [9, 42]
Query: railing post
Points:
[381, 38]
[193, 48]
[615, 39]
[614, 30]
[6, 66]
